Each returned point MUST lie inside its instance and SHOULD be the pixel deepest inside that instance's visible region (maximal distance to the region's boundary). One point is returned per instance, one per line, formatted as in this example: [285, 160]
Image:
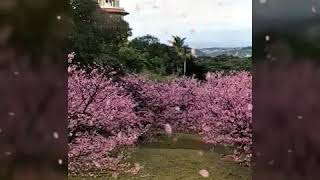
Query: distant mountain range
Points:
[213, 52]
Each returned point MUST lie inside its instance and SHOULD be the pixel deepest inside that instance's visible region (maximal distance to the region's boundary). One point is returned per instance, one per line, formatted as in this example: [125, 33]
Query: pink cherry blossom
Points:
[105, 115]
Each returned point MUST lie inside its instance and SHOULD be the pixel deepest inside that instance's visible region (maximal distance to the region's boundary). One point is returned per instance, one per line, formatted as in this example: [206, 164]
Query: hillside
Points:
[213, 52]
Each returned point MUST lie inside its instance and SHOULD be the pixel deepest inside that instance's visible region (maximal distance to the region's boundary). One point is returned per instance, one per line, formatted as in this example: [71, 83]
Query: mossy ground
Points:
[181, 157]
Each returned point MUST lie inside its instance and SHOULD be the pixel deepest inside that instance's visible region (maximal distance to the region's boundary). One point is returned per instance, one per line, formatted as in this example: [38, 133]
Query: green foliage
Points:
[225, 63]
[157, 55]
[146, 43]
[158, 77]
[160, 58]
[196, 69]
[147, 54]
[132, 59]
[96, 36]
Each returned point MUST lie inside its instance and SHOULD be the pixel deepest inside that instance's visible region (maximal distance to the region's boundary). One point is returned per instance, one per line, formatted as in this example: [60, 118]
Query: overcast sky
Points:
[205, 23]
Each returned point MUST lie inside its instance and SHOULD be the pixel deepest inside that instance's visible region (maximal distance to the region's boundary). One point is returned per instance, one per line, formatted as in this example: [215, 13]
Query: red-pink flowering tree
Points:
[101, 118]
[171, 103]
[219, 109]
[224, 107]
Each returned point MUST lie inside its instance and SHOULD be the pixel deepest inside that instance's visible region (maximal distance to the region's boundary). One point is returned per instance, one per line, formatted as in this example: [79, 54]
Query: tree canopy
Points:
[96, 37]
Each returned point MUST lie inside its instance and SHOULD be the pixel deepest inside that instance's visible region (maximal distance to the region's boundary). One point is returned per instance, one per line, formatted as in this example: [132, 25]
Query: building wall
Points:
[109, 3]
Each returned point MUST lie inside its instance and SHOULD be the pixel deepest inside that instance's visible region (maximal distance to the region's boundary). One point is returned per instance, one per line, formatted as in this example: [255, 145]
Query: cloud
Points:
[204, 22]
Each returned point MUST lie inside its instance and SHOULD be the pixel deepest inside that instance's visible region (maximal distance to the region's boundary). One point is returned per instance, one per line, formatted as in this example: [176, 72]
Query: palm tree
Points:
[183, 51]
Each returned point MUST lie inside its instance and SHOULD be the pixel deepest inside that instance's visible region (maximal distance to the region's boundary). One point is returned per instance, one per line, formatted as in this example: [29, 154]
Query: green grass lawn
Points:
[181, 157]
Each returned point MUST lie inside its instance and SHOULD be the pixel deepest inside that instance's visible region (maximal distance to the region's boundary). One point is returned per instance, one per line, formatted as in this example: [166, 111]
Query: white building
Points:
[112, 7]
[193, 52]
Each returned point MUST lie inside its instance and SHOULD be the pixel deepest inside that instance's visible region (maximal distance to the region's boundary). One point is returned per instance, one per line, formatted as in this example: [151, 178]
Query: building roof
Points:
[119, 11]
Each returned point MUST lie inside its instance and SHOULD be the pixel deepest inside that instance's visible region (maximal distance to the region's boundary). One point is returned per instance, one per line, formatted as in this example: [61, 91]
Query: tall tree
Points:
[183, 52]
[156, 54]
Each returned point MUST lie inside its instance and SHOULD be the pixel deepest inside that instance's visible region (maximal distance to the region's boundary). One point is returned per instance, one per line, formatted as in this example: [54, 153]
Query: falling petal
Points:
[267, 38]
[55, 135]
[168, 128]
[204, 173]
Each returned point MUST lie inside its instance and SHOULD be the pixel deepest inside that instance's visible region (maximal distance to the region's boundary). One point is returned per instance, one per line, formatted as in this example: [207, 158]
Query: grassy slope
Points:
[171, 160]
